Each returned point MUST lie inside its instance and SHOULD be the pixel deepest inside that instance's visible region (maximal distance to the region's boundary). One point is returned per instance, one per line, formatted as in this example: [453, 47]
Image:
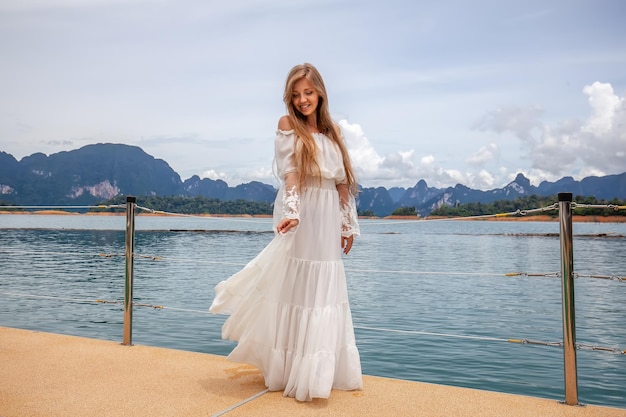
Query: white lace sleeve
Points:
[284, 150]
[349, 217]
[291, 198]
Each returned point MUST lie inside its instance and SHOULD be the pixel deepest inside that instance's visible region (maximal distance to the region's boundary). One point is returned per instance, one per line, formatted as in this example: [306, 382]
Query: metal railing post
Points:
[567, 287]
[128, 283]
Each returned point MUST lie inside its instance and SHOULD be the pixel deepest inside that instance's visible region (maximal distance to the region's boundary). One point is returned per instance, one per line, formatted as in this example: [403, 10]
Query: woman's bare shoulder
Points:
[284, 123]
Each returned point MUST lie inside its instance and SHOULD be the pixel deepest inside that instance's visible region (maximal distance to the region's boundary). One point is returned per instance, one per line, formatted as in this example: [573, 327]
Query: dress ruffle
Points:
[301, 338]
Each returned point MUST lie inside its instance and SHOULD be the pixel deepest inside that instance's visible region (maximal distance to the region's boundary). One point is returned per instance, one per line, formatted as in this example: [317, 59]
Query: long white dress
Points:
[289, 307]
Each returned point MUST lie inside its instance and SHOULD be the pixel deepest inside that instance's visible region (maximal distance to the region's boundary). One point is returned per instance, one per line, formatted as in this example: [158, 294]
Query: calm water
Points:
[442, 280]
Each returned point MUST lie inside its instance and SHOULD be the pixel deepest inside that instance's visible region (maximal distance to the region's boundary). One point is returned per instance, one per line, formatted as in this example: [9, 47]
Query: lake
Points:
[431, 300]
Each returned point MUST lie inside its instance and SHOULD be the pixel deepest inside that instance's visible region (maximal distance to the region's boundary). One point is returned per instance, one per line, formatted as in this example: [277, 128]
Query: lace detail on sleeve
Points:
[349, 217]
[291, 202]
[286, 169]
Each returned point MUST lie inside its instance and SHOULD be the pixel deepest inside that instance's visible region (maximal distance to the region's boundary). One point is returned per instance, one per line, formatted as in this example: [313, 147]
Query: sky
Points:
[448, 91]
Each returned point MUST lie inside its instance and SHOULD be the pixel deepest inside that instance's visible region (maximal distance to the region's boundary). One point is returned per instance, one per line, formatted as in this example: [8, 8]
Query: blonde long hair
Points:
[306, 153]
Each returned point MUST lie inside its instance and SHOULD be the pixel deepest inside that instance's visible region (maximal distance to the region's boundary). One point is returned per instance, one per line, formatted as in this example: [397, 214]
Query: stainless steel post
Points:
[567, 287]
[128, 283]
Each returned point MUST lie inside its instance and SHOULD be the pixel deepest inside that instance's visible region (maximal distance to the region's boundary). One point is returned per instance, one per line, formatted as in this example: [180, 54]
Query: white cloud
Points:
[448, 177]
[604, 106]
[596, 146]
[264, 175]
[520, 121]
[427, 160]
[437, 176]
[486, 179]
[373, 169]
[214, 175]
[483, 155]
[236, 177]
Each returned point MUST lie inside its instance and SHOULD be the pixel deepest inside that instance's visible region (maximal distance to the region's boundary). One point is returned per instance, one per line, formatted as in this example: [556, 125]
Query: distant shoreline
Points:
[534, 218]
[547, 218]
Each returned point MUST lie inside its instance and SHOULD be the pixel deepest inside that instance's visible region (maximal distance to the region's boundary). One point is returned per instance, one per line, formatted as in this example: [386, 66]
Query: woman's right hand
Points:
[286, 224]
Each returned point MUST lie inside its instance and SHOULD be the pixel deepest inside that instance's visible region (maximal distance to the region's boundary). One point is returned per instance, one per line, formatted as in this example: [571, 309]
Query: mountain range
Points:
[99, 172]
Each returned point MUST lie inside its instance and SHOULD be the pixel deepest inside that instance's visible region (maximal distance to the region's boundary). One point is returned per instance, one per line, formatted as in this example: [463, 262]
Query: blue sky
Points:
[469, 92]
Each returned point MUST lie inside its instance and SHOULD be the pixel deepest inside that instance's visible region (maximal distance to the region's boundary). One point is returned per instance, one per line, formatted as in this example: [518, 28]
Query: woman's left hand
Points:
[346, 243]
[286, 224]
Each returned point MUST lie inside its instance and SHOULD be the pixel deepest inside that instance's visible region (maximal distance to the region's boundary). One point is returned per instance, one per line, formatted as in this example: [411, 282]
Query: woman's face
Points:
[304, 97]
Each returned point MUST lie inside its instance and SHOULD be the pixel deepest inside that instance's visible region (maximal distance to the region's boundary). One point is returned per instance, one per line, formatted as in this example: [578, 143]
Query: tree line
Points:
[194, 205]
[530, 203]
[205, 205]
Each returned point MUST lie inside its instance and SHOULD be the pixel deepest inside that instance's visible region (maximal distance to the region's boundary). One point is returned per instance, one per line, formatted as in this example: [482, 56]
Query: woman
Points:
[289, 307]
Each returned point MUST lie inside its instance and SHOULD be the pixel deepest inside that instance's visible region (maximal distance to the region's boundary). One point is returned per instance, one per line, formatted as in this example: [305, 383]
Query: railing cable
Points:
[207, 217]
[580, 346]
[113, 206]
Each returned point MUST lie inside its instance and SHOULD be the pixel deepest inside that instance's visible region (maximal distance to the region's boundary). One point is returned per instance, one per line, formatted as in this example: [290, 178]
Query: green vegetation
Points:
[529, 203]
[404, 211]
[194, 205]
[204, 205]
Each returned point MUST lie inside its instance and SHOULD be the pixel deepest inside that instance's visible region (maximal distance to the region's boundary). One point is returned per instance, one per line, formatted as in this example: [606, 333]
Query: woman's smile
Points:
[305, 97]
